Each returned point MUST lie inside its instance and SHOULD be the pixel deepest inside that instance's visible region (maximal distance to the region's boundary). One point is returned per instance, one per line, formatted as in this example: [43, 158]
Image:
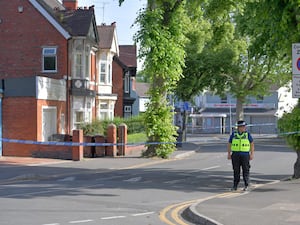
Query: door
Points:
[49, 122]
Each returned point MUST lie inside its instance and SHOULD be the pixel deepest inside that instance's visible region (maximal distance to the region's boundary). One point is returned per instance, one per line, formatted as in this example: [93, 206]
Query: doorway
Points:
[49, 122]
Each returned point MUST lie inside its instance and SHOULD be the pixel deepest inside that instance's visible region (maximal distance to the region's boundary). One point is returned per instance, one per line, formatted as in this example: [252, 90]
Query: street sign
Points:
[296, 58]
[296, 86]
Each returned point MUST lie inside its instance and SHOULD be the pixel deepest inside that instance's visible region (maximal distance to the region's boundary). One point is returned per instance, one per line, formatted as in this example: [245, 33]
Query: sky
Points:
[108, 11]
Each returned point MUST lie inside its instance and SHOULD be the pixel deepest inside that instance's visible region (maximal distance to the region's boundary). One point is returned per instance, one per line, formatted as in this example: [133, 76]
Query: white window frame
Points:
[87, 62]
[127, 108]
[85, 105]
[53, 54]
[106, 112]
[102, 73]
[126, 82]
[78, 65]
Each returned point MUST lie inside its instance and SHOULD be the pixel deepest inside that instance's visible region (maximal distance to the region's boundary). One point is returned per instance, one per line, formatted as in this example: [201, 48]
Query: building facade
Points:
[48, 70]
[215, 114]
[124, 73]
[108, 48]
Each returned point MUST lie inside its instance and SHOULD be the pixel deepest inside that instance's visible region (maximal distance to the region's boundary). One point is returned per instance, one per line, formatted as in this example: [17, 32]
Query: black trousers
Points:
[240, 160]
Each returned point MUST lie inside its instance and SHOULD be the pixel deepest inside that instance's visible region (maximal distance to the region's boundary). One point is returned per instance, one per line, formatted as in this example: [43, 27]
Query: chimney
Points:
[70, 4]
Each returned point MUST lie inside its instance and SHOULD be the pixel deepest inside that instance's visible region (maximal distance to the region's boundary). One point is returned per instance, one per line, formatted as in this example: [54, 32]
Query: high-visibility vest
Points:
[240, 142]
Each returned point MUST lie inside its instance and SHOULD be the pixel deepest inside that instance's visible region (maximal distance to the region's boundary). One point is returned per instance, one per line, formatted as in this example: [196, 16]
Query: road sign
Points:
[296, 58]
[296, 86]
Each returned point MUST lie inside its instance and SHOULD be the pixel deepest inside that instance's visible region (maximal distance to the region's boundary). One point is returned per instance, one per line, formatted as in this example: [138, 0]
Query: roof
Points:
[78, 22]
[128, 55]
[75, 22]
[106, 32]
[142, 89]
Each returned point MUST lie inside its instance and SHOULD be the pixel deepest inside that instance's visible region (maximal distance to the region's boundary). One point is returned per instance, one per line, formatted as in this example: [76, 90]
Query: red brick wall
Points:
[19, 122]
[117, 79]
[19, 115]
[22, 120]
[22, 36]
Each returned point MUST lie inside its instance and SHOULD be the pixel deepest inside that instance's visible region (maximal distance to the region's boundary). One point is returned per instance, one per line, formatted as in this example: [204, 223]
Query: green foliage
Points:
[289, 127]
[134, 124]
[161, 37]
[228, 56]
[94, 128]
[159, 128]
[275, 24]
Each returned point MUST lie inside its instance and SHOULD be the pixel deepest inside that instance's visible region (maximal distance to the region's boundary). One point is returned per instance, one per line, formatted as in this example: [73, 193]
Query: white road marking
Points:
[51, 224]
[134, 179]
[67, 179]
[112, 217]
[143, 214]
[210, 168]
[104, 218]
[81, 221]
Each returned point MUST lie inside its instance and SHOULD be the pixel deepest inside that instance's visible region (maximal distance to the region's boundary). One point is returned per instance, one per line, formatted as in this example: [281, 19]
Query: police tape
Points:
[85, 144]
[228, 126]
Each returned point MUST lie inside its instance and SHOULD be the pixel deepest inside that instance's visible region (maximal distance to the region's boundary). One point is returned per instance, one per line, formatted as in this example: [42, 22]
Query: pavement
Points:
[276, 203]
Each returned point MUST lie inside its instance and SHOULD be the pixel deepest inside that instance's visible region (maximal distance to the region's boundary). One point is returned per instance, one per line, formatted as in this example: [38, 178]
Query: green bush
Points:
[289, 126]
[134, 125]
[96, 127]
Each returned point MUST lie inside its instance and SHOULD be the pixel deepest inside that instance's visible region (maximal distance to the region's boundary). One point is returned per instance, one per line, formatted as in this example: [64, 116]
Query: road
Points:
[152, 193]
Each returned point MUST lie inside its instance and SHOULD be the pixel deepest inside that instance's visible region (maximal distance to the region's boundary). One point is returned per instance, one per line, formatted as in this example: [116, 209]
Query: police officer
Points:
[240, 150]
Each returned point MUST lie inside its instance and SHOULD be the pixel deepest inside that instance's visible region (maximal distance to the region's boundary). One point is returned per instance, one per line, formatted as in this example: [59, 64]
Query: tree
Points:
[162, 48]
[289, 126]
[228, 61]
[275, 24]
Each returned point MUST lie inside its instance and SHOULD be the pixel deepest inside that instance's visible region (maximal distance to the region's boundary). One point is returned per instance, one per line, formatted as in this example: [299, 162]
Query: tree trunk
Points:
[184, 125]
[239, 109]
[297, 166]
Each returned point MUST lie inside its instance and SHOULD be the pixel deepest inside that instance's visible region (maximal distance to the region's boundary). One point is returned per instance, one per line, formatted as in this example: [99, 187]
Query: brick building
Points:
[108, 48]
[48, 70]
[124, 73]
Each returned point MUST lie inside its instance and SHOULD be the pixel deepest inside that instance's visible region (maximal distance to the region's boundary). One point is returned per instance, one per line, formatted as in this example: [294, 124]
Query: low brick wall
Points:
[136, 150]
[77, 152]
[37, 151]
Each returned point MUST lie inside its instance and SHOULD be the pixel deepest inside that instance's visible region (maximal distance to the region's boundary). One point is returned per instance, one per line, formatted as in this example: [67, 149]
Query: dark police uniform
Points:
[240, 148]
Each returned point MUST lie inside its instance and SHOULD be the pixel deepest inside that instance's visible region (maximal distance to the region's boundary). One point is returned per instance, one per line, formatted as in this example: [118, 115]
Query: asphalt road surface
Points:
[152, 193]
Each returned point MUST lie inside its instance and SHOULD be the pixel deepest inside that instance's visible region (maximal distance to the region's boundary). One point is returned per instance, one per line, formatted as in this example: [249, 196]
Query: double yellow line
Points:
[173, 211]
[170, 214]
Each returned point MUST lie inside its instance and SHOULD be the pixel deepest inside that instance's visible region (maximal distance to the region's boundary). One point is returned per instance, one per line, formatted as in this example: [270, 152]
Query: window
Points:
[109, 80]
[106, 110]
[126, 82]
[81, 111]
[103, 73]
[79, 119]
[260, 99]
[127, 111]
[224, 99]
[127, 108]
[87, 63]
[78, 65]
[49, 59]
